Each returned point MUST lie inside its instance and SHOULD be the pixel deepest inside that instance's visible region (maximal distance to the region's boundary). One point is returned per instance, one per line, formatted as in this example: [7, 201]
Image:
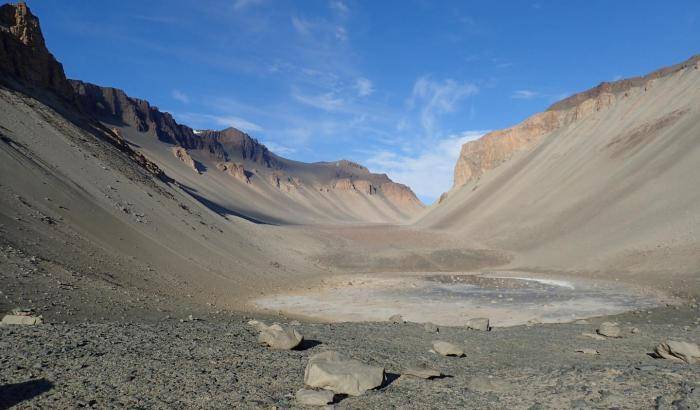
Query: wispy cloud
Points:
[325, 101]
[242, 4]
[197, 120]
[156, 19]
[279, 149]
[364, 87]
[180, 96]
[525, 94]
[339, 7]
[435, 98]
[430, 172]
[341, 34]
[301, 25]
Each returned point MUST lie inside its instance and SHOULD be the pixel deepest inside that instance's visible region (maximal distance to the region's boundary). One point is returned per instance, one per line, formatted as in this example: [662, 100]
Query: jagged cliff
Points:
[23, 53]
[494, 148]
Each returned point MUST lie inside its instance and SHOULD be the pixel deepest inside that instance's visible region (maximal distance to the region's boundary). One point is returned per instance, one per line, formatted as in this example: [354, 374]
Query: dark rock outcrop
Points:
[23, 52]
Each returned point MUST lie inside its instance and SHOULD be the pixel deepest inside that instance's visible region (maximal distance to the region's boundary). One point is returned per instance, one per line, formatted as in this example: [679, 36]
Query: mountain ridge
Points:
[491, 150]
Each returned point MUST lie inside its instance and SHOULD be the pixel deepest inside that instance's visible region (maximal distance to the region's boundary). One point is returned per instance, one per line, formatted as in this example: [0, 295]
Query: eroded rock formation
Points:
[237, 171]
[184, 156]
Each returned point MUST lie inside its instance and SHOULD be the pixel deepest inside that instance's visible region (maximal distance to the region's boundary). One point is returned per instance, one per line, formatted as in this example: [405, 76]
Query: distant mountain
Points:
[264, 186]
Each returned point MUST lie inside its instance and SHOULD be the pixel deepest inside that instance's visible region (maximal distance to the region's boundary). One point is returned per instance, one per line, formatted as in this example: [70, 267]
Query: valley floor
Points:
[107, 346]
[215, 362]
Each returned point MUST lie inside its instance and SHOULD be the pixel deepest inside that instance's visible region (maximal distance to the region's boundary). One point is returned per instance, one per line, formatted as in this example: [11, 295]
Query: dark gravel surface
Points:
[105, 345]
[217, 363]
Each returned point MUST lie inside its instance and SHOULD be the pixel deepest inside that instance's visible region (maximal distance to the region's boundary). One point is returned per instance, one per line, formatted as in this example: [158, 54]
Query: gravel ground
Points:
[215, 362]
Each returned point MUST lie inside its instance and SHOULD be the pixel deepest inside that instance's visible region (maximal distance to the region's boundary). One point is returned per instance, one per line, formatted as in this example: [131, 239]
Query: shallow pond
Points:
[452, 299]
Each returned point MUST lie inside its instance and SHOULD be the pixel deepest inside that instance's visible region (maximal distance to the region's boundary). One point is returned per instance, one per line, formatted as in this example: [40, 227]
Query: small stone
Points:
[422, 372]
[431, 327]
[21, 320]
[587, 351]
[314, 397]
[634, 330]
[447, 348]
[609, 329]
[396, 319]
[280, 338]
[480, 323]
[593, 336]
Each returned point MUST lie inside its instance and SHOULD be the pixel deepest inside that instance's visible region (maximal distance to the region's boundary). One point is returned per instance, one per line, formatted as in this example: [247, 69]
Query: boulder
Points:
[314, 397]
[431, 327]
[480, 323]
[422, 372]
[396, 319]
[678, 351]
[447, 348]
[21, 320]
[329, 370]
[280, 338]
[609, 329]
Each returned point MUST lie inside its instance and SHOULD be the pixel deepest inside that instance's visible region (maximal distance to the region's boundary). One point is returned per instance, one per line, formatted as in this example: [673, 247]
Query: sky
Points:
[397, 86]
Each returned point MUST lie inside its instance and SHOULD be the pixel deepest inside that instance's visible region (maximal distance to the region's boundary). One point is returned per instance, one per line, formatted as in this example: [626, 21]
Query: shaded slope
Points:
[240, 173]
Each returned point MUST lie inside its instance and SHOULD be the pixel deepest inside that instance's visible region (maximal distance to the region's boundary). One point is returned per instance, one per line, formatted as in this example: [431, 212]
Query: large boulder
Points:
[447, 348]
[479, 323]
[280, 338]
[609, 329]
[679, 351]
[329, 370]
[314, 397]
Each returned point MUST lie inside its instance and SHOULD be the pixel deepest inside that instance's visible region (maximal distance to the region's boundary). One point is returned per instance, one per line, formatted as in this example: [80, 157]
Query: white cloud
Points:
[428, 173]
[525, 94]
[364, 87]
[326, 101]
[180, 96]
[438, 97]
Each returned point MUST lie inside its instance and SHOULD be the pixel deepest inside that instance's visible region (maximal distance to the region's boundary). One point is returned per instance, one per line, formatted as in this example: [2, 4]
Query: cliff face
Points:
[23, 53]
[236, 152]
[494, 148]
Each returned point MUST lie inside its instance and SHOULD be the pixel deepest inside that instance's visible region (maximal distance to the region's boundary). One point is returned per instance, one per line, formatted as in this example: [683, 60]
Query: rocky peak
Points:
[344, 163]
[234, 144]
[23, 53]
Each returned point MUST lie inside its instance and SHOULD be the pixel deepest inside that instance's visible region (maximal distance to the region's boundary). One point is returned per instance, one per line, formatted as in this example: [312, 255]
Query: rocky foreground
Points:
[218, 362]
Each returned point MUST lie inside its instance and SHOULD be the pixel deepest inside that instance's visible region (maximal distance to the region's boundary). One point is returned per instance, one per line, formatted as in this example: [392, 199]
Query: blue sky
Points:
[394, 85]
